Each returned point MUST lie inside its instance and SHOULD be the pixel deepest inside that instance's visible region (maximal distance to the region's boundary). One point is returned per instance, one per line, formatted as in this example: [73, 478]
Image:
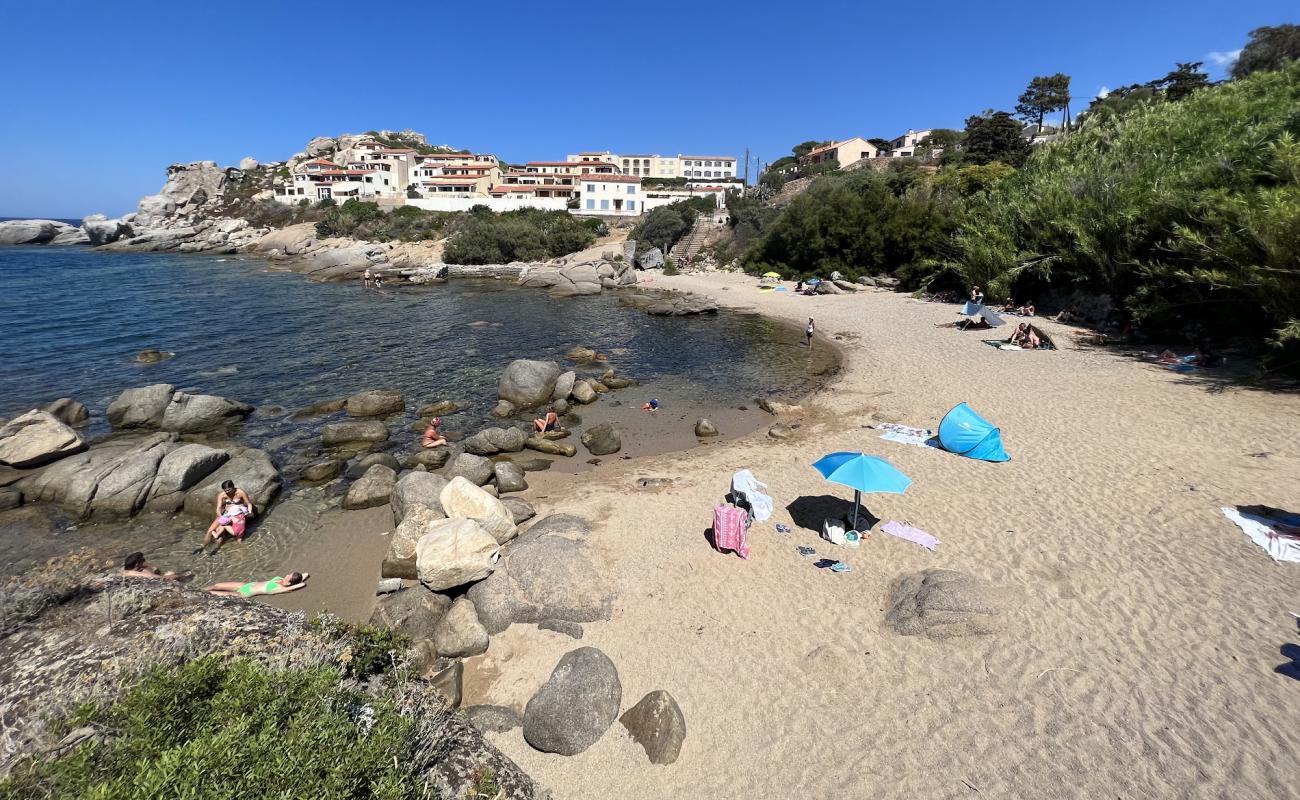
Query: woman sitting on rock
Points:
[431, 436]
[233, 508]
[277, 585]
[547, 423]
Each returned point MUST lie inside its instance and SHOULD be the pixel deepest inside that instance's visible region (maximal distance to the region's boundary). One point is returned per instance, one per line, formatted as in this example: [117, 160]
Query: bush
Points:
[371, 650]
[215, 729]
[525, 235]
[665, 225]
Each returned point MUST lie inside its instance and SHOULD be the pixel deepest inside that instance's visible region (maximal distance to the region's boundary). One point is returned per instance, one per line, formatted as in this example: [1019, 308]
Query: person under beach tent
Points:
[550, 421]
[432, 438]
[277, 585]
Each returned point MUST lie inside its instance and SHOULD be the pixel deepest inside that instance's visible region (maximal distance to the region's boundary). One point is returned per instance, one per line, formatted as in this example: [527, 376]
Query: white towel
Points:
[744, 483]
[1281, 548]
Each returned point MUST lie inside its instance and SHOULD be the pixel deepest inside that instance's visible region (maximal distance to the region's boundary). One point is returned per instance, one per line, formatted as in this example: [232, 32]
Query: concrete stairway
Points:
[689, 245]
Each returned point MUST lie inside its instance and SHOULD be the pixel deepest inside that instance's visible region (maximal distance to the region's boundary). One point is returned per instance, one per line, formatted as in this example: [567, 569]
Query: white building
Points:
[905, 146]
[707, 166]
[653, 165]
[609, 195]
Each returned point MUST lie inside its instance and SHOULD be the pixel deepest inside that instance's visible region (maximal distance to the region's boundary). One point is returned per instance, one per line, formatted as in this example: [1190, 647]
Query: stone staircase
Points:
[689, 245]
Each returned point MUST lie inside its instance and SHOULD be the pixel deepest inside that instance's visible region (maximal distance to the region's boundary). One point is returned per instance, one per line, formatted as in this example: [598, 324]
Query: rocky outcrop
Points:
[455, 552]
[576, 705]
[102, 230]
[549, 572]
[161, 407]
[251, 470]
[528, 384]
[36, 438]
[464, 500]
[33, 231]
[669, 304]
[68, 411]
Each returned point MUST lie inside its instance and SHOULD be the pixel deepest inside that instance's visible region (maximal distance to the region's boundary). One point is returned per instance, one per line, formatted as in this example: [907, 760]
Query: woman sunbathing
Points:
[277, 585]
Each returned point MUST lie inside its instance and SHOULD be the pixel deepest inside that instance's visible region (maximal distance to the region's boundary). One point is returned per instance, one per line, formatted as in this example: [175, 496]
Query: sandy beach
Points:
[1142, 629]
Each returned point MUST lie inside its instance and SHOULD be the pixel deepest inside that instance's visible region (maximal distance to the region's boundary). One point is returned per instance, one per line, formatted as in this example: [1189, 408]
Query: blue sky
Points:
[101, 97]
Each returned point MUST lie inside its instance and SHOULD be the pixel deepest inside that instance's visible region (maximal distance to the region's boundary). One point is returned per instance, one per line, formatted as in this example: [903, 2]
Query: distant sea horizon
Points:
[70, 220]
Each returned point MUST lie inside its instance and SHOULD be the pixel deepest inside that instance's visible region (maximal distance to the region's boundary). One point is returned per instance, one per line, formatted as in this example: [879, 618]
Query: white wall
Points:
[494, 203]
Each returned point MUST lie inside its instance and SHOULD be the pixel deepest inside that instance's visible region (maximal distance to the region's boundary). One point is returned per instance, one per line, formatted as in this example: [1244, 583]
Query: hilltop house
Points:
[844, 152]
[609, 195]
[905, 146]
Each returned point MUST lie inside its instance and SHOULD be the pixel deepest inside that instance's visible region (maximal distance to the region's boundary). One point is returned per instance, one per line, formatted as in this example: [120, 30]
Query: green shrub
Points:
[216, 729]
[670, 267]
[371, 650]
[525, 235]
[665, 225]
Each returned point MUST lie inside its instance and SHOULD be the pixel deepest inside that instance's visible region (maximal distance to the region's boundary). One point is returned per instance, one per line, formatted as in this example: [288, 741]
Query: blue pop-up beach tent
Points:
[966, 433]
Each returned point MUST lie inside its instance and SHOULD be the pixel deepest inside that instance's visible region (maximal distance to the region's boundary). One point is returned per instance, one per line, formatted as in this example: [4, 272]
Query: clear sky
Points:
[100, 97]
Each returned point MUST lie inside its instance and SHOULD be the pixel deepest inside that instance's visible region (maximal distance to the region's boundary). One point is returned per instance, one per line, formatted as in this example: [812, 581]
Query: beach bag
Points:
[833, 531]
[729, 530]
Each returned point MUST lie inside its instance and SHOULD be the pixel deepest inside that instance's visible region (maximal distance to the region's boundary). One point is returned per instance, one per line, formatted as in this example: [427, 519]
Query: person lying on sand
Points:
[134, 566]
[431, 436]
[548, 422]
[277, 585]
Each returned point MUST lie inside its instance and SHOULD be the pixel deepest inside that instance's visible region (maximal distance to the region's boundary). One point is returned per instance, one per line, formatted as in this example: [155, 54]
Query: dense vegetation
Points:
[665, 225]
[528, 234]
[219, 729]
[360, 219]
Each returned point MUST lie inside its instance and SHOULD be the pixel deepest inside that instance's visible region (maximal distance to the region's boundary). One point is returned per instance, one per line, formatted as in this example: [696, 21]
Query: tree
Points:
[939, 139]
[804, 148]
[994, 136]
[1045, 94]
[881, 144]
[1181, 82]
[1269, 48]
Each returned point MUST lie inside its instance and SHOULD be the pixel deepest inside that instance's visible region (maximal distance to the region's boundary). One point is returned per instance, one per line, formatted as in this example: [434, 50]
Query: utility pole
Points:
[746, 166]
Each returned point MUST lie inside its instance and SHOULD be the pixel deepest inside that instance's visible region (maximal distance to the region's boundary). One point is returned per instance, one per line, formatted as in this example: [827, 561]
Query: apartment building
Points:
[606, 194]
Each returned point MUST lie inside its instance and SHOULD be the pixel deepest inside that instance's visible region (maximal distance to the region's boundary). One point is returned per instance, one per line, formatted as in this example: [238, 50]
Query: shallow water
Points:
[73, 320]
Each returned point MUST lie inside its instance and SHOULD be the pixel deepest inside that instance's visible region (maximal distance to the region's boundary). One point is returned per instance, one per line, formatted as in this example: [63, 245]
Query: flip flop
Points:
[805, 551]
[840, 566]
[781, 527]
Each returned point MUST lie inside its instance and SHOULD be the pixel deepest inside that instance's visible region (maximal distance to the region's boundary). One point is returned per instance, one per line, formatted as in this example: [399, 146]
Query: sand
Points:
[1138, 658]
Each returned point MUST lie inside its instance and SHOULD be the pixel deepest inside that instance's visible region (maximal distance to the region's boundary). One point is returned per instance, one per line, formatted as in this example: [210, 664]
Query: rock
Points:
[576, 705]
[602, 439]
[400, 560]
[37, 438]
[197, 413]
[122, 489]
[388, 586]
[597, 386]
[550, 572]
[507, 440]
[438, 409]
[429, 458]
[448, 684]
[704, 427]
[826, 287]
[583, 392]
[780, 431]
[651, 259]
[31, 231]
[863, 280]
[528, 384]
[179, 471]
[251, 470]
[10, 498]
[942, 603]
[413, 612]
[615, 382]
[494, 719]
[504, 409]
[551, 448]
[887, 282]
[464, 500]
[371, 489]
[152, 356]
[375, 403]
[668, 304]
[140, 408]
[417, 489]
[369, 460]
[510, 477]
[68, 411]
[533, 464]
[320, 409]
[846, 286]
[561, 406]
[475, 469]
[656, 723]
[455, 552]
[563, 387]
[584, 355]
[101, 230]
[248, 163]
[321, 471]
[571, 629]
[520, 510]
[353, 432]
[458, 634]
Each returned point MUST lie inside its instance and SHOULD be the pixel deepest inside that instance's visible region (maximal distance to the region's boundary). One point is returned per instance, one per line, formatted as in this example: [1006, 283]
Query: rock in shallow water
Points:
[528, 384]
[576, 705]
[375, 403]
[353, 431]
[371, 489]
[36, 438]
[602, 439]
[68, 411]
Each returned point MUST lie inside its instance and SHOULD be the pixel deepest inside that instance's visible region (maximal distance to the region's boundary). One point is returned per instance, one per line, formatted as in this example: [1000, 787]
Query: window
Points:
[631, 189]
[591, 204]
[604, 205]
[631, 205]
[591, 187]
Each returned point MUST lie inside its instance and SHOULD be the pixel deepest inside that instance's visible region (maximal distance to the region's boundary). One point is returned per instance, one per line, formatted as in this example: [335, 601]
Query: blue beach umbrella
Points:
[862, 473]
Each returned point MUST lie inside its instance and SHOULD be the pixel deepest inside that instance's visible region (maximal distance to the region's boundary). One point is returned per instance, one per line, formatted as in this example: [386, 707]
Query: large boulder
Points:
[491, 441]
[519, 509]
[464, 500]
[944, 603]
[550, 572]
[475, 469]
[509, 477]
[102, 230]
[400, 560]
[143, 407]
[125, 489]
[576, 705]
[657, 724]
[583, 392]
[371, 489]
[417, 489]
[527, 383]
[430, 458]
[68, 411]
[651, 259]
[375, 403]
[353, 432]
[179, 471]
[459, 634]
[251, 470]
[551, 448]
[31, 231]
[602, 439]
[196, 413]
[564, 386]
[455, 552]
[36, 438]
[414, 612]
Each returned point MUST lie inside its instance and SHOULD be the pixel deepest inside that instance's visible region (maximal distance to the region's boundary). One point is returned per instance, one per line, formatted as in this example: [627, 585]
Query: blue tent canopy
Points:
[966, 433]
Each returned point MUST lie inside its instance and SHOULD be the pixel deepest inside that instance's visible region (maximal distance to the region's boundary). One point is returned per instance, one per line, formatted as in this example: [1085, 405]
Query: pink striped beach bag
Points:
[729, 530]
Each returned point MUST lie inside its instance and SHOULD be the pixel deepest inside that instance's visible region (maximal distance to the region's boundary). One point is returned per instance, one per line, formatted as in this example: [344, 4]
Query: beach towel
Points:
[1260, 530]
[833, 531]
[898, 529]
[729, 530]
[917, 437]
[744, 484]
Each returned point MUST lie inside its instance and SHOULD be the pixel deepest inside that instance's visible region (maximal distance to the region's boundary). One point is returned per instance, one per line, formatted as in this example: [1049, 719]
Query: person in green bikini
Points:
[277, 585]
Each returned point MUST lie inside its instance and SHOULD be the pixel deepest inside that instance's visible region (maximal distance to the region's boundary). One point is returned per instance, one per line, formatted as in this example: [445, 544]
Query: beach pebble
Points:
[371, 489]
[602, 439]
[496, 719]
[657, 724]
[459, 634]
[576, 705]
[375, 403]
[705, 427]
[571, 629]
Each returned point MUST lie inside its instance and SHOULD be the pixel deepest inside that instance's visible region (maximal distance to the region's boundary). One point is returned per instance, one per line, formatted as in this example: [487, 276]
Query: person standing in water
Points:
[365, 279]
[809, 331]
